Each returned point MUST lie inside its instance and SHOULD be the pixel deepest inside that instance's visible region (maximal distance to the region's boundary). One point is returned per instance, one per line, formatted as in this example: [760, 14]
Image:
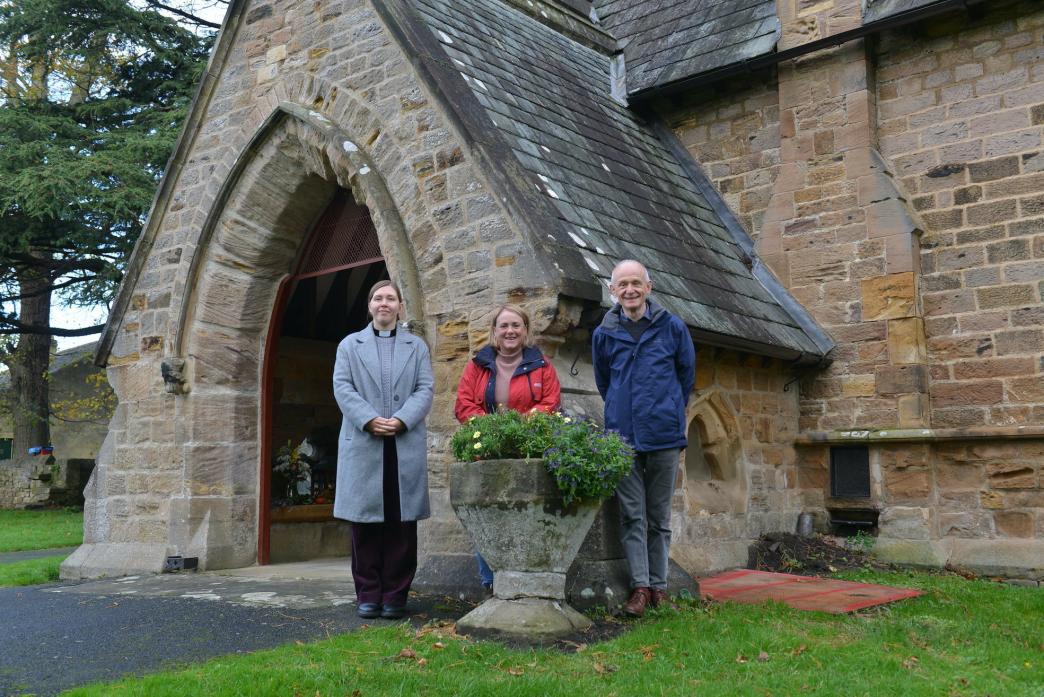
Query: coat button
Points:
[396, 398]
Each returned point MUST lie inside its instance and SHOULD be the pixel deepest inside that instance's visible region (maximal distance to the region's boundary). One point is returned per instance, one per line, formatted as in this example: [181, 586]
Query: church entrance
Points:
[317, 306]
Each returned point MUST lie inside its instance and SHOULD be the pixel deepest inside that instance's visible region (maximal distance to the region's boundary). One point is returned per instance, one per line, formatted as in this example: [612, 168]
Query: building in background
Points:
[82, 403]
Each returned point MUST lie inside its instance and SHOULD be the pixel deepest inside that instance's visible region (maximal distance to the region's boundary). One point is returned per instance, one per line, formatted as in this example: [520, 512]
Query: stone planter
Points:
[514, 513]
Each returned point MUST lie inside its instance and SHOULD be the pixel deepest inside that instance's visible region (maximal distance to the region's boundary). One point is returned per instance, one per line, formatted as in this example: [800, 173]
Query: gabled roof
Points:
[59, 360]
[667, 40]
[617, 188]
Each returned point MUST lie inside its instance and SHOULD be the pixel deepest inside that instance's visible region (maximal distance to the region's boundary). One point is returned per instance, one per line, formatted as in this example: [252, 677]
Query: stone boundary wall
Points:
[961, 109]
[46, 481]
[21, 484]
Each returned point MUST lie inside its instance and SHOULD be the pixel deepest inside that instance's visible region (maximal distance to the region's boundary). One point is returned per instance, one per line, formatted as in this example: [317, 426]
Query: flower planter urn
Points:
[514, 513]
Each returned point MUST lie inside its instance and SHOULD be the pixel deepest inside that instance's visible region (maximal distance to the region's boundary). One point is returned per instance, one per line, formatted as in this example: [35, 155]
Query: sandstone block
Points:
[970, 393]
[902, 379]
[889, 217]
[1028, 389]
[997, 367]
[1020, 341]
[914, 410]
[944, 220]
[1005, 296]
[997, 168]
[1013, 523]
[907, 484]
[857, 386]
[1011, 476]
[910, 523]
[991, 499]
[906, 340]
[888, 297]
[958, 476]
[970, 524]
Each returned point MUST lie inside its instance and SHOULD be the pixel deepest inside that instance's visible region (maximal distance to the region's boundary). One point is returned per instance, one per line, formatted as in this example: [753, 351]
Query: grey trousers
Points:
[645, 516]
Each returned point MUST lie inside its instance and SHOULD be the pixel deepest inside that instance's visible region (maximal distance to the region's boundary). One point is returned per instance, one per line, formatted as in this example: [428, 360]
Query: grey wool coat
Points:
[360, 455]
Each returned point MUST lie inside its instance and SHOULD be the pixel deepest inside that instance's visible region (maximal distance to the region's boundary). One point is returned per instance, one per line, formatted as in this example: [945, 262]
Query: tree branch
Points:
[181, 13]
[49, 289]
[16, 327]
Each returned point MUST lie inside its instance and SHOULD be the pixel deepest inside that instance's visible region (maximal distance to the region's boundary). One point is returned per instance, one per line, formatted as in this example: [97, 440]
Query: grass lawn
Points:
[30, 572]
[44, 529]
[962, 638]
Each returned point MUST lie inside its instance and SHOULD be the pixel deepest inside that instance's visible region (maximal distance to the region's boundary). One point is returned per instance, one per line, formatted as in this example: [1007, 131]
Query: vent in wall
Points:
[850, 472]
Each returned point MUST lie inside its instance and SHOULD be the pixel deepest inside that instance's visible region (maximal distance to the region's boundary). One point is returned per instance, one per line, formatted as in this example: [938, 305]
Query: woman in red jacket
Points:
[508, 373]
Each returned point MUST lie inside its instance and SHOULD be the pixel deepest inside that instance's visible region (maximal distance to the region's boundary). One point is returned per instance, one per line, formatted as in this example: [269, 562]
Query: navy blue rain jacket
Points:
[646, 383]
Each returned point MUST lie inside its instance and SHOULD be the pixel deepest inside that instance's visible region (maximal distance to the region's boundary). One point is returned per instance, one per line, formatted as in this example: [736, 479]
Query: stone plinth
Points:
[516, 517]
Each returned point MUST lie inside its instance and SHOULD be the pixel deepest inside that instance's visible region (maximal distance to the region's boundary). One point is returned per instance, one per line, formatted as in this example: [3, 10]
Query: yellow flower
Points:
[478, 446]
[477, 434]
[567, 420]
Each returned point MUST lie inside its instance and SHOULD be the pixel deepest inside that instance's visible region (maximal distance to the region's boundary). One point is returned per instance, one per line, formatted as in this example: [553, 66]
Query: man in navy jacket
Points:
[645, 366]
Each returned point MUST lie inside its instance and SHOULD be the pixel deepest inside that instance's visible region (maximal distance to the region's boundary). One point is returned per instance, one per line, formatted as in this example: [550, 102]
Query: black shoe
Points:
[393, 612]
[369, 611]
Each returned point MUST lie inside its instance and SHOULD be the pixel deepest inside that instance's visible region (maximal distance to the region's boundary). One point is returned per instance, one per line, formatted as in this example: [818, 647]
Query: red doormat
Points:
[799, 592]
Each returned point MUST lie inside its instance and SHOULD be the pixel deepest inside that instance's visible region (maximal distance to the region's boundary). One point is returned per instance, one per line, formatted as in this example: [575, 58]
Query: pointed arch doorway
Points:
[318, 305]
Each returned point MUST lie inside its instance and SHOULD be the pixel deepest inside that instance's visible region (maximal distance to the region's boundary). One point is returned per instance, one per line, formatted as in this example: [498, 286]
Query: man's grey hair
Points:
[645, 271]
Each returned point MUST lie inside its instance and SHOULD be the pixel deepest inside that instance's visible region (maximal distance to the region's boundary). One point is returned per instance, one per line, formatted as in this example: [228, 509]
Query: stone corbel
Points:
[173, 372]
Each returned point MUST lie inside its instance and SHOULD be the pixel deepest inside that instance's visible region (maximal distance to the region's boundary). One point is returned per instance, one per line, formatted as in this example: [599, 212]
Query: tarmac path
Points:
[57, 636]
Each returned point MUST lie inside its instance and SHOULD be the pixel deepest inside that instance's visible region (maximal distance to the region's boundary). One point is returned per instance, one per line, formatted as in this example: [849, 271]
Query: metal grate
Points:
[344, 237]
[850, 472]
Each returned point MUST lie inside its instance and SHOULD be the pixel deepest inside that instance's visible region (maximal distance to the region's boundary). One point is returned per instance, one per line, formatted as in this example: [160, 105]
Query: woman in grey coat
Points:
[382, 381]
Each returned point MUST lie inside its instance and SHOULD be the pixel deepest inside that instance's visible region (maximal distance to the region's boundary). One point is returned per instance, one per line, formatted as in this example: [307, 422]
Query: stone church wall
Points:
[893, 186]
[808, 158]
[178, 473]
[961, 118]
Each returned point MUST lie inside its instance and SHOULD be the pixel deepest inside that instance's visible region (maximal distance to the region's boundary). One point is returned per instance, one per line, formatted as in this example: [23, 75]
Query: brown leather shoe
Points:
[659, 598]
[636, 604]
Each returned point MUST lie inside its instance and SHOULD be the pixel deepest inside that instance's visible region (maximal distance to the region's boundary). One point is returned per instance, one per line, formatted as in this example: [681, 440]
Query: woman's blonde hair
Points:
[496, 315]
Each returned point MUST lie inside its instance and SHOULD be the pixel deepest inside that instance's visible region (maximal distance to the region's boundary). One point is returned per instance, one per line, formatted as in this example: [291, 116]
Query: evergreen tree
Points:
[92, 96]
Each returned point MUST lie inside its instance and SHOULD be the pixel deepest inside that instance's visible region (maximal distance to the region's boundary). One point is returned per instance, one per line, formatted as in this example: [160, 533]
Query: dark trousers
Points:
[645, 516]
[384, 555]
[384, 560]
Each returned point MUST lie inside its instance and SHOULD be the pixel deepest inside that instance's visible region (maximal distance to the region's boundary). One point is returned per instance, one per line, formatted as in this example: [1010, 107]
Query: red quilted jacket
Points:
[534, 385]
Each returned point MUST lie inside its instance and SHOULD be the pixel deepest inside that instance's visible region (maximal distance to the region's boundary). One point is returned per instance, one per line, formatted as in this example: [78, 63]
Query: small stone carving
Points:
[173, 371]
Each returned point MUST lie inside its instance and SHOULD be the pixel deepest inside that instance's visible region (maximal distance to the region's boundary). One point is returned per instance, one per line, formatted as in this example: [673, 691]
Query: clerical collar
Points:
[384, 332]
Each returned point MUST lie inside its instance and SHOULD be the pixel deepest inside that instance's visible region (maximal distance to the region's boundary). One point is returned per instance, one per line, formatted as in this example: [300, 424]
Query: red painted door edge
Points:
[271, 350]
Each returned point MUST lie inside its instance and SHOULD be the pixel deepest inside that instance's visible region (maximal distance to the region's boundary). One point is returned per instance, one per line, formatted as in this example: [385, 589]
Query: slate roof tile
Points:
[617, 190]
[667, 40]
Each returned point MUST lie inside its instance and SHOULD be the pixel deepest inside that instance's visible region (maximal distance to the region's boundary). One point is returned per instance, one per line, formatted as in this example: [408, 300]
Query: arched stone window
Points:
[714, 478]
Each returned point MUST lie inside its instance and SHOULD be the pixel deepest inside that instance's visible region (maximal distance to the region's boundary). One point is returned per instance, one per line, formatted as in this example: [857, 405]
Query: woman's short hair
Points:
[496, 315]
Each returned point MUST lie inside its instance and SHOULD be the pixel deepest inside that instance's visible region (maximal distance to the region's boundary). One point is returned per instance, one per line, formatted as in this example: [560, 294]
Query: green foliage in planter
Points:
[586, 461]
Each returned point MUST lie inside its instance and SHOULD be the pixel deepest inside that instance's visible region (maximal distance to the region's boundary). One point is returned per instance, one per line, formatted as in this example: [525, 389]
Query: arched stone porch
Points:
[208, 472]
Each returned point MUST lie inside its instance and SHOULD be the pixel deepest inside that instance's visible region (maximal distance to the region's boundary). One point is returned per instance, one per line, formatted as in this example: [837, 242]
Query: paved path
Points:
[9, 557]
[57, 636]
